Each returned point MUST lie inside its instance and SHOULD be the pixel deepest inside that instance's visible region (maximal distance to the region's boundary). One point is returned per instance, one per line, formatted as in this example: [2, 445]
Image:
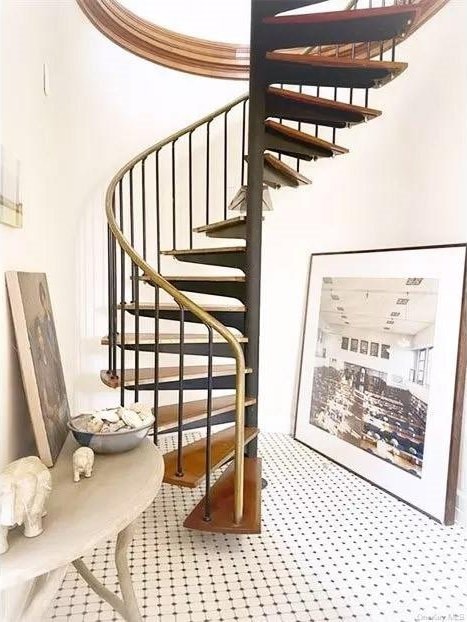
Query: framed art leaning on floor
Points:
[383, 369]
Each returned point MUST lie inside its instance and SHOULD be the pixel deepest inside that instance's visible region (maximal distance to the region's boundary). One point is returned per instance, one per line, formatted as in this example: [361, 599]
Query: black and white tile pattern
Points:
[333, 547]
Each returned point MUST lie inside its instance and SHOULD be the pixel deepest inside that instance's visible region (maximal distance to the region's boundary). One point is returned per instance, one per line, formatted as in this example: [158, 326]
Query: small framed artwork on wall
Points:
[384, 394]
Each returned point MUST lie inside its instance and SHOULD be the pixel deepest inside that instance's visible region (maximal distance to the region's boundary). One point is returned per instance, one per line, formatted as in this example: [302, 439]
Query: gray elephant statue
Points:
[25, 486]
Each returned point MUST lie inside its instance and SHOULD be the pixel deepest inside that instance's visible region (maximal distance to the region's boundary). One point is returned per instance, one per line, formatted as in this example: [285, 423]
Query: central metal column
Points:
[254, 214]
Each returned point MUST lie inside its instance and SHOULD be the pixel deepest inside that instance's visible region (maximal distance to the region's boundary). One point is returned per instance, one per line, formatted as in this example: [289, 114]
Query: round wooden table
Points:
[80, 516]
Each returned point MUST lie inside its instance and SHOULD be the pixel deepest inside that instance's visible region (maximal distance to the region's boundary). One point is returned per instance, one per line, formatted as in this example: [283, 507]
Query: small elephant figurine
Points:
[83, 461]
[25, 486]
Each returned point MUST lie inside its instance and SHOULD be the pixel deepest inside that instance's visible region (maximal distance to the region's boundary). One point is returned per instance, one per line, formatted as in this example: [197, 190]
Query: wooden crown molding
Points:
[214, 59]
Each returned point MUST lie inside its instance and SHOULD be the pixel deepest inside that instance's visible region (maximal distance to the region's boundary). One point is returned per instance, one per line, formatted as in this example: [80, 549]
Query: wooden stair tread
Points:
[167, 417]
[170, 338]
[199, 251]
[222, 503]
[173, 306]
[337, 27]
[215, 279]
[303, 138]
[221, 224]
[303, 107]
[194, 455]
[313, 69]
[168, 374]
[286, 170]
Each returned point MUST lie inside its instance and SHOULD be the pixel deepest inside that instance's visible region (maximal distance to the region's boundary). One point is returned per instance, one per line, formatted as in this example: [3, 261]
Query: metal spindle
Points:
[243, 143]
[132, 226]
[207, 498]
[334, 131]
[174, 200]
[208, 167]
[316, 125]
[122, 303]
[181, 355]
[190, 186]
[156, 364]
[135, 274]
[114, 305]
[143, 203]
[393, 50]
[158, 216]
[226, 158]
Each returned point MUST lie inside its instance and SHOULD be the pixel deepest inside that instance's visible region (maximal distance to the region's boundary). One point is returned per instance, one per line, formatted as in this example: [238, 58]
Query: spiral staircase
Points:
[311, 75]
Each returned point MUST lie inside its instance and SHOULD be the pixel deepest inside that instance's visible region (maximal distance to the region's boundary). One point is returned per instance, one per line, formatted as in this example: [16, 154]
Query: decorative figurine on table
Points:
[25, 486]
[83, 461]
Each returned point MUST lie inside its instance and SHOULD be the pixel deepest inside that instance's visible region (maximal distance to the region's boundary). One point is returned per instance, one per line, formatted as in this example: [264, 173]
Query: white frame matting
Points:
[434, 492]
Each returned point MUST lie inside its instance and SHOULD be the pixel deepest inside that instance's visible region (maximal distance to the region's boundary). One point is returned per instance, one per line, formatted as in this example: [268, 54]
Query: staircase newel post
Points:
[254, 213]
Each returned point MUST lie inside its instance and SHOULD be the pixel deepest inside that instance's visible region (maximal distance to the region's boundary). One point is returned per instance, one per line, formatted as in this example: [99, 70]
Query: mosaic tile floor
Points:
[333, 547]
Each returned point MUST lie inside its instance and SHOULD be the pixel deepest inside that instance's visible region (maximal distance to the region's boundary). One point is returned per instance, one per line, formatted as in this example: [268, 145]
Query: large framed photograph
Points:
[40, 362]
[383, 369]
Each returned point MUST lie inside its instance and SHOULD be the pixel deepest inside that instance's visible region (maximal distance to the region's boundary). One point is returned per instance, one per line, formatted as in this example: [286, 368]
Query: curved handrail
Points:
[198, 56]
[183, 301]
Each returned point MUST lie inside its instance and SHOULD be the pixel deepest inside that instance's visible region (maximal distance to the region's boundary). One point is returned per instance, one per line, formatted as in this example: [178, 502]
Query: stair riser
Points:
[228, 260]
[231, 319]
[308, 75]
[282, 36]
[234, 289]
[222, 382]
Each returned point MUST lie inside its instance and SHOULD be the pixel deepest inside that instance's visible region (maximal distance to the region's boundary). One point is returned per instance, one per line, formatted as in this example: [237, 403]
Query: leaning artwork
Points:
[383, 366]
[39, 356]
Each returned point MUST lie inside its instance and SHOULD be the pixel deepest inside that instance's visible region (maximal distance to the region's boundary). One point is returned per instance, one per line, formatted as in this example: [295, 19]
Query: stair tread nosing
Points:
[168, 374]
[311, 102]
[222, 503]
[221, 224]
[199, 251]
[173, 306]
[282, 168]
[194, 454]
[170, 338]
[338, 27]
[315, 69]
[303, 138]
[167, 417]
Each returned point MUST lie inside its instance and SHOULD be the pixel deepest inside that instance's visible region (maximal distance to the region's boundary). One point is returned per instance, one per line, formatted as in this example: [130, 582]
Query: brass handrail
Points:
[188, 304]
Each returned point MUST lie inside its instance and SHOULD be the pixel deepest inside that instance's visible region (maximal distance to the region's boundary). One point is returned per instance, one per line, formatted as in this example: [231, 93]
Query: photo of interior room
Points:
[372, 370]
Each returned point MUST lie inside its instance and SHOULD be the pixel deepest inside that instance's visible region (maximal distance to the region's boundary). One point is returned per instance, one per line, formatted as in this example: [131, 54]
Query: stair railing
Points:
[146, 211]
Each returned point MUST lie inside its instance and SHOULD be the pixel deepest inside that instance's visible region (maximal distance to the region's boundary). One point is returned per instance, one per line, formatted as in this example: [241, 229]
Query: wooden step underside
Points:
[337, 27]
[194, 457]
[306, 108]
[315, 70]
[229, 286]
[222, 503]
[197, 410]
[167, 374]
[230, 256]
[278, 174]
[292, 142]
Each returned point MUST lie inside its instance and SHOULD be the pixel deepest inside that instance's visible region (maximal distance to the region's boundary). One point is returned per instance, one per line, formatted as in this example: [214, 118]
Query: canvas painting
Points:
[379, 388]
[40, 361]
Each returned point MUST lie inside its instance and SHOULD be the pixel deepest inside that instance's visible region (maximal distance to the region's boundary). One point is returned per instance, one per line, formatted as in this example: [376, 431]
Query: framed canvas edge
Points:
[459, 383]
[26, 365]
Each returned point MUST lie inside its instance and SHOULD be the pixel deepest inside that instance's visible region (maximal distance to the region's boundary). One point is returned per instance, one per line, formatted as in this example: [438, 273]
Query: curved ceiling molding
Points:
[214, 59]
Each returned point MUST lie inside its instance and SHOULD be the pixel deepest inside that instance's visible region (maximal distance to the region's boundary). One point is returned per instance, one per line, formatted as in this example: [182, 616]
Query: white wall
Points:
[403, 183]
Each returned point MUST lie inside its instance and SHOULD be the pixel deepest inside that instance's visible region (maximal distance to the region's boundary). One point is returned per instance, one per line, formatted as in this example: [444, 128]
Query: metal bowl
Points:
[110, 442]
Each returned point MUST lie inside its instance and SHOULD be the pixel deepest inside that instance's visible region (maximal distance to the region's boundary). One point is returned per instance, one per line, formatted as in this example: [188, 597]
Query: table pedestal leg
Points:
[128, 606]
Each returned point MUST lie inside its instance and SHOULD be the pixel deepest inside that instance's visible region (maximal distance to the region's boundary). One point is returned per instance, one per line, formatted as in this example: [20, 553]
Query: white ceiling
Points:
[369, 303]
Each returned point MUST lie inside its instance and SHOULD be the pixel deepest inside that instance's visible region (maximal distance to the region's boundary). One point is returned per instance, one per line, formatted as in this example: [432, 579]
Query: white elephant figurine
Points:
[25, 486]
[83, 461]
